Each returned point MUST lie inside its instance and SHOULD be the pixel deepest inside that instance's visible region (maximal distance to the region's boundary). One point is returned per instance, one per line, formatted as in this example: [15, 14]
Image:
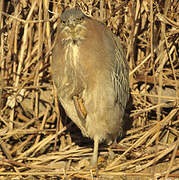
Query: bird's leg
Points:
[80, 109]
[94, 157]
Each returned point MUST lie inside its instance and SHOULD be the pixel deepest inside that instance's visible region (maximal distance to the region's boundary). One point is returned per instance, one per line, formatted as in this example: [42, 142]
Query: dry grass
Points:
[39, 143]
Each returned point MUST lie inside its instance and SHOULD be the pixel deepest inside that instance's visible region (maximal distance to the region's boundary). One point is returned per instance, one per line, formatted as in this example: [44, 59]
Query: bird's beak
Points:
[71, 24]
[72, 27]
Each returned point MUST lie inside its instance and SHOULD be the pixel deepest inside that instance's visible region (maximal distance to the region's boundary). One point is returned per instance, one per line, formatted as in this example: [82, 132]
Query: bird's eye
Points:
[80, 19]
[62, 21]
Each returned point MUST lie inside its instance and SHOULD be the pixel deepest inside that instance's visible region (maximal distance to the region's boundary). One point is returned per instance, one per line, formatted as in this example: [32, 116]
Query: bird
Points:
[91, 75]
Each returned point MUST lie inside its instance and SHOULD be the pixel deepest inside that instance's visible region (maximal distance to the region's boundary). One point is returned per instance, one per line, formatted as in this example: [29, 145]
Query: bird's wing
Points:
[120, 74]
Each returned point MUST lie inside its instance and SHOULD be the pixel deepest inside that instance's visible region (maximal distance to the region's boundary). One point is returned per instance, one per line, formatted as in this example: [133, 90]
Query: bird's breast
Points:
[71, 54]
[72, 78]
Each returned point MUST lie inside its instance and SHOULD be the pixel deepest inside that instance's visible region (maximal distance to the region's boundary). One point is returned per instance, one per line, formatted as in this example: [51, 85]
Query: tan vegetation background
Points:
[38, 142]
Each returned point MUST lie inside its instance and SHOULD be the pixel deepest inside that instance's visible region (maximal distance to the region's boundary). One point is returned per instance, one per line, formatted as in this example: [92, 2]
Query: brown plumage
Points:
[91, 76]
